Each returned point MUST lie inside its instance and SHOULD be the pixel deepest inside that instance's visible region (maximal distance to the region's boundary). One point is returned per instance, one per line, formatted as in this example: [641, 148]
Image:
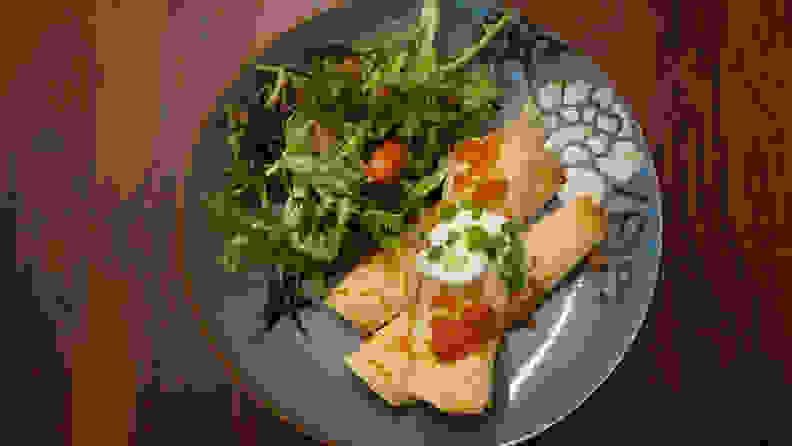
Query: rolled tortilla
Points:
[554, 246]
[562, 239]
[557, 244]
[532, 173]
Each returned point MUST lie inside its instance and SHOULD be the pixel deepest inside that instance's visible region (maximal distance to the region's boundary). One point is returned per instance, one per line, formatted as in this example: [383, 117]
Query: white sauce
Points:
[475, 262]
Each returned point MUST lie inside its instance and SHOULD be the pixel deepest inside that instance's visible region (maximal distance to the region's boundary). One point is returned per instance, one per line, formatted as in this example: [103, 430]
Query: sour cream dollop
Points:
[458, 264]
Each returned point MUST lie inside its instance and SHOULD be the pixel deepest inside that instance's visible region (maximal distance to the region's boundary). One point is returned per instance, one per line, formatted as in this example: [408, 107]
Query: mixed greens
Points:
[297, 205]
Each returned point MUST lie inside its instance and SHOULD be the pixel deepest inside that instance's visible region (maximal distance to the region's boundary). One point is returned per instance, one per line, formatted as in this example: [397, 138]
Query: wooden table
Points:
[722, 229]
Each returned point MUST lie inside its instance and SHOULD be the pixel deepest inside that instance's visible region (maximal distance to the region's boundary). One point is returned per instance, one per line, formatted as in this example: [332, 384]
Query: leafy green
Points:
[431, 182]
[298, 134]
[323, 246]
[381, 223]
[401, 90]
[336, 175]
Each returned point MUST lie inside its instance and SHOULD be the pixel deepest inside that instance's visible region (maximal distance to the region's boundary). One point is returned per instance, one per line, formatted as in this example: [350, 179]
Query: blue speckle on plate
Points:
[644, 171]
[651, 211]
[516, 75]
[481, 12]
[652, 246]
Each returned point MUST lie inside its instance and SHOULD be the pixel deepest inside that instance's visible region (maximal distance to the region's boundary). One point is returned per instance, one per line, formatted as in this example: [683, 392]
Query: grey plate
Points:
[542, 374]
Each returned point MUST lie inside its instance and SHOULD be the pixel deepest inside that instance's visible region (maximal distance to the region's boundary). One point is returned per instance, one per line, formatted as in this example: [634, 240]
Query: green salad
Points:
[398, 91]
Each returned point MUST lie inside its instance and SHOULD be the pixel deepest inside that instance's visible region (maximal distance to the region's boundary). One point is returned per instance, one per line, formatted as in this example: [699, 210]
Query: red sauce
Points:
[451, 338]
[454, 339]
[477, 313]
[483, 317]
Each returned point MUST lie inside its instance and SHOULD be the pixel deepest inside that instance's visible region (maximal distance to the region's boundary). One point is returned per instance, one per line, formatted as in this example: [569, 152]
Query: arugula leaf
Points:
[328, 186]
[321, 246]
[293, 213]
[298, 134]
[335, 174]
[510, 264]
[431, 182]
[381, 222]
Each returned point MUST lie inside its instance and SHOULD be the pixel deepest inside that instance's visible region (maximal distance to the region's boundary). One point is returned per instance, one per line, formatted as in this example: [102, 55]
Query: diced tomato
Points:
[482, 316]
[386, 162]
[472, 151]
[323, 138]
[454, 339]
[461, 183]
[446, 301]
[350, 65]
[477, 313]
[489, 191]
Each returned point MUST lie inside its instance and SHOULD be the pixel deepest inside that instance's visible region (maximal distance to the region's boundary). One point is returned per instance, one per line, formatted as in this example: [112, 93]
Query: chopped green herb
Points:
[476, 238]
[512, 226]
[448, 213]
[434, 254]
[453, 236]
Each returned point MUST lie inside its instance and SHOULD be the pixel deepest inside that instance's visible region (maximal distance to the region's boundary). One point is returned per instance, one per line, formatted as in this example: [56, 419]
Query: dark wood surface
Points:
[708, 82]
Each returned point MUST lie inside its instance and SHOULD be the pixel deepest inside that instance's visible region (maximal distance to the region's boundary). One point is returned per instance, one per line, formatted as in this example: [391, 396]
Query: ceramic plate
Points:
[543, 372]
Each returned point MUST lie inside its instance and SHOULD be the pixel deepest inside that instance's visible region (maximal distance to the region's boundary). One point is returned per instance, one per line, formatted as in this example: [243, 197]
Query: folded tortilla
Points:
[463, 386]
[383, 361]
[398, 365]
[376, 290]
[386, 283]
